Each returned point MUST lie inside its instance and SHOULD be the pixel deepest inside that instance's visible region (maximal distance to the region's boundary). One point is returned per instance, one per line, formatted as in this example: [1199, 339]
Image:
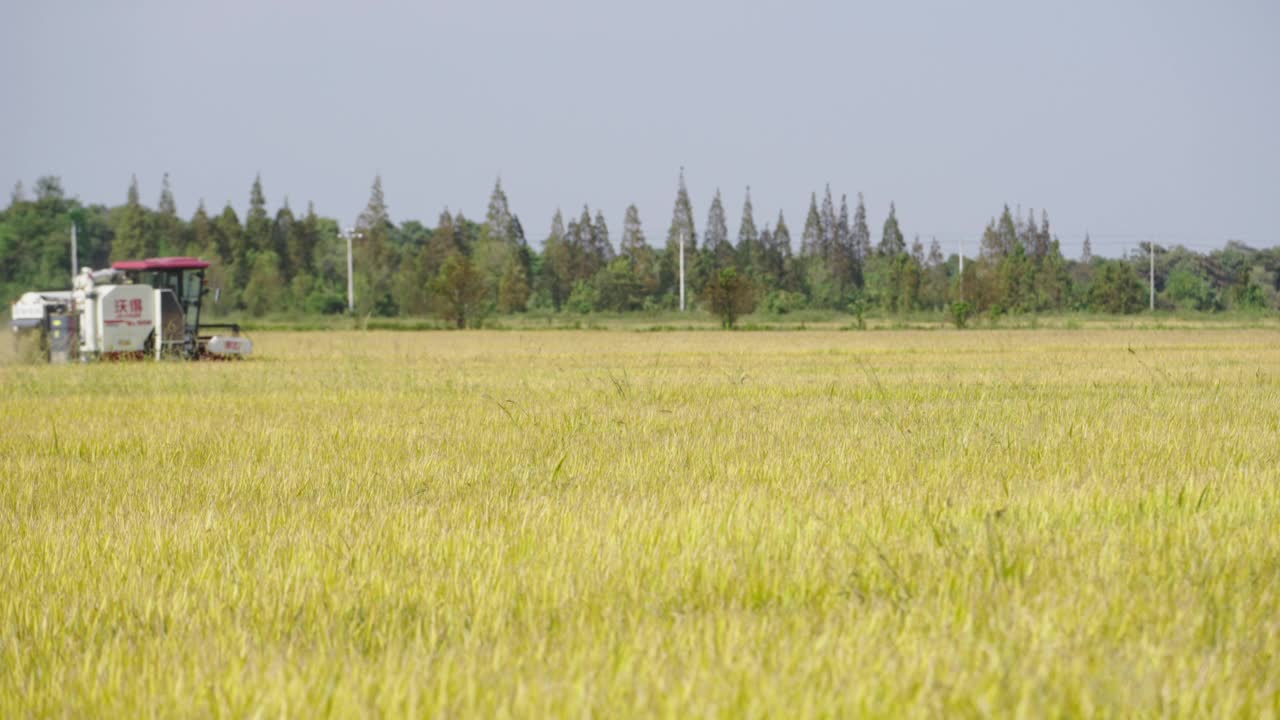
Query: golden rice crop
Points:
[531, 524]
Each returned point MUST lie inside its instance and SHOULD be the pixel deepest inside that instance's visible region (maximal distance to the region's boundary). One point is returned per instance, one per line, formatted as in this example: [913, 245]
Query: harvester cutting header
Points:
[134, 309]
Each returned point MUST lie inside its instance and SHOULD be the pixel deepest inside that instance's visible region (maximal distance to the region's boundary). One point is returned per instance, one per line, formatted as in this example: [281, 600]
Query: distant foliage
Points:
[1116, 288]
[276, 261]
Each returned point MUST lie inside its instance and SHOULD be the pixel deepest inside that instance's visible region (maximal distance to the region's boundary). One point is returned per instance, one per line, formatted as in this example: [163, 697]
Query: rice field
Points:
[1052, 523]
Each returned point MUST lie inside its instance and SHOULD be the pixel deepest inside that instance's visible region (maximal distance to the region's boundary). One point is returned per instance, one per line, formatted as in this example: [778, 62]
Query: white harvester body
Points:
[116, 319]
[111, 313]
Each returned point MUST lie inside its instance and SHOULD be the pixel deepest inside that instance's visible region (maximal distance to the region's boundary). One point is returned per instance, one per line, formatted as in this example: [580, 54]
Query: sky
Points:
[1131, 121]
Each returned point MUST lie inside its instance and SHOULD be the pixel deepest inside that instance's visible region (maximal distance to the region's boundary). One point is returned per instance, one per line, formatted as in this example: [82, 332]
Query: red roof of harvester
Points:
[164, 263]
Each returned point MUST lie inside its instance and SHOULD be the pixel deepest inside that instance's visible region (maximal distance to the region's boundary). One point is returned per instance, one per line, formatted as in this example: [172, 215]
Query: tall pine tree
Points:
[374, 257]
[641, 257]
[227, 234]
[497, 220]
[842, 257]
[748, 250]
[716, 240]
[443, 243]
[827, 227]
[300, 245]
[892, 242]
[633, 241]
[583, 261]
[600, 243]
[1000, 237]
[811, 237]
[257, 224]
[281, 229]
[681, 231]
[131, 237]
[777, 255]
[860, 233]
[556, 278]
[167, 226]
[199, 241]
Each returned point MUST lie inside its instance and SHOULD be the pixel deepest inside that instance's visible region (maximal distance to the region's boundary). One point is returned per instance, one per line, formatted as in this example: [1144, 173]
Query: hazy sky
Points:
[1127, 119]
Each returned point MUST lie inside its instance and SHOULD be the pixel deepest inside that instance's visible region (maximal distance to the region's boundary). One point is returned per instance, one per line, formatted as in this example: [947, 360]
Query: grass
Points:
[518, 524]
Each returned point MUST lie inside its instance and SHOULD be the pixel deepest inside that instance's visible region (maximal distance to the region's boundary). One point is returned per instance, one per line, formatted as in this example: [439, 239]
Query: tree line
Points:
[463, 270]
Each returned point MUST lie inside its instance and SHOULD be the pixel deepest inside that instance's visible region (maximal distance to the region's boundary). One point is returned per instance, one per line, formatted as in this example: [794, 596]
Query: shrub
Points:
[781, 302]
[583, 298]
[729, 296]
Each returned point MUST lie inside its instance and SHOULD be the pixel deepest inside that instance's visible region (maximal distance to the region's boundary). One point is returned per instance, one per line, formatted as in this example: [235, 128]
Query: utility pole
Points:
[682, 270]
[962, 268]
[1151, 247]
[351, 283]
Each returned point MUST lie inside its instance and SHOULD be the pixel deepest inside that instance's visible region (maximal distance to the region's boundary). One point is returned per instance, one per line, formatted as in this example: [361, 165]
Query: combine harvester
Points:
[135, 309]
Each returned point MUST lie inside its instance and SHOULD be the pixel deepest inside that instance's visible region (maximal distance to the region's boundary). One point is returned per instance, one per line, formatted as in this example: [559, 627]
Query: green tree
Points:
[513, 291]
[729, 296]
[264, 293]
[459, 292]
[442, 243]
[411, 284]
[1014, 280]
[583, 299]
[257, 233]
[1053, 279]
[716, 240]
[777, 261]
[301, 241]
[680, 231]
[576, 239]
[811, 236]
[496, 247]
[224, 296]
[556, 278]
[1000, 237]
[618, 286]
[933, 292]
[748, 251]
[131, 237]
[200, 241]
[909, 276]
[498, 218]
[842, 255]
[860, 235]
[166, 225]
[637, 252]
[375, 259]
[1116, 288]
[601, 245]
[491, 258]
[1189, 289]
[281, 230]
[467, 232]
[34, 251]
[1248, 295]
[892, 242]
[827, 227]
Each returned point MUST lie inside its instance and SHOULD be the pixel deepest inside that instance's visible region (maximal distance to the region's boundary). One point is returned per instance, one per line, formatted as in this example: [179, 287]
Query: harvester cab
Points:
[137, 308]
